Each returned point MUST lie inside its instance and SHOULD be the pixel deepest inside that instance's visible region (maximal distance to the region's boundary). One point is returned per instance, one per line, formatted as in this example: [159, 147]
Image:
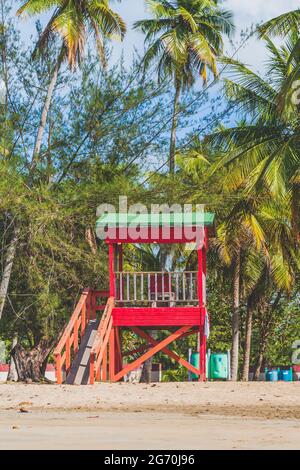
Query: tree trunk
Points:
[266, 325]
[37, 148]
[44, 115]
[174, 127]
[12, 372]
[31, 365]
[91, 239]
[258, 365]
[247, 350]
[147, 370]
[10, 256]
[236, 318]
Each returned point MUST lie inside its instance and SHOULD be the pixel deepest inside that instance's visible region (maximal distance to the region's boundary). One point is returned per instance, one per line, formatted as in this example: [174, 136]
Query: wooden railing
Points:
[159, 287]
[98, 355]
[68, 345]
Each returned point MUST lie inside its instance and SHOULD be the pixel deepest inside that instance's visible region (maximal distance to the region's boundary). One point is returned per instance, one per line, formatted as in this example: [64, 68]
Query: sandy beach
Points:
[158, 416]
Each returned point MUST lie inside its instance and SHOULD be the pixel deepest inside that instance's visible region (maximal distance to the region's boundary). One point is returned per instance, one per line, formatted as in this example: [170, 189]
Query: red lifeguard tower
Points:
[138, 301]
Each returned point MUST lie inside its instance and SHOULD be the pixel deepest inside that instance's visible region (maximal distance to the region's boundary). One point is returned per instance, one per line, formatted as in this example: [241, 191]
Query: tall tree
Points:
[185, 37]
[70, 22]
[267, 147]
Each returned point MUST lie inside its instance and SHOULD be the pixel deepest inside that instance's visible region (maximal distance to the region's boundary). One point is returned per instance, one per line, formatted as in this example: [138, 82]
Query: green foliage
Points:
[107, 130]
[185, 38]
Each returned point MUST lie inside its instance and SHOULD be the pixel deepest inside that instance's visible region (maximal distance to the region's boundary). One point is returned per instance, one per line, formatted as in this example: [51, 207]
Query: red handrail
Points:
[98, 355]
[84, 312]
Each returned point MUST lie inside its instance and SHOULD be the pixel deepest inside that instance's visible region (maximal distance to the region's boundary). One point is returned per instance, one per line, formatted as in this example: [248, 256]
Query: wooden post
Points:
[120, 251]
[98, 374]
[112, 354]
[68, 354]
[200, 297]
[200, 279]
[204, 311]
[88, 305]
[104, 366]
[75, 343]
[118, 350]
[83, 319]
[92, 369]
[111, 270]
[58, 369]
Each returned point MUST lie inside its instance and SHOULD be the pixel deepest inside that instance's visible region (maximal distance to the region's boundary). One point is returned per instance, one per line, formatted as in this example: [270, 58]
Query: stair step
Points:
[79, 373]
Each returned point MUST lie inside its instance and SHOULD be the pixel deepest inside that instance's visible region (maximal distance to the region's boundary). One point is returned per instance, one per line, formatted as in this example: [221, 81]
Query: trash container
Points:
[272, 375]
[218, 367]
[286, 375]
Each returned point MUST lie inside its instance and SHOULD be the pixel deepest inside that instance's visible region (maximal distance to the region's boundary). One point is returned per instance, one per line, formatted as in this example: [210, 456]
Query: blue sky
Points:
[245, 13]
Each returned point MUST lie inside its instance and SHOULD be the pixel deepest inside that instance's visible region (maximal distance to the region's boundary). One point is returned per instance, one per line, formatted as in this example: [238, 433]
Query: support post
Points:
[58, 369]
[112, 354]
[204, 306]
[111, 270]
[120, 251]
[104, 366]
[200, 297]
[118, 350]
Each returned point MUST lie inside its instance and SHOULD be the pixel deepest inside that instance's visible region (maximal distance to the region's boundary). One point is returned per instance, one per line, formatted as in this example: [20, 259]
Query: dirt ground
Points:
[158, 416]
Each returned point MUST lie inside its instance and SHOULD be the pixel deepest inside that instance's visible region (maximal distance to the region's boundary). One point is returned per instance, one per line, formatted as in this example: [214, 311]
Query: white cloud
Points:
[248, 13]
[253, 11]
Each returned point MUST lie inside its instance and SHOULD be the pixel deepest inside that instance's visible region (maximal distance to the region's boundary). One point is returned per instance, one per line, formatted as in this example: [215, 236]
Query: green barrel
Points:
[218, 366]
[195, 361]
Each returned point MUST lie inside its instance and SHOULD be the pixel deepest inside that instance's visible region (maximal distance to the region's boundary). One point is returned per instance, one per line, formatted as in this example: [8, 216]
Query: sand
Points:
[138, 416]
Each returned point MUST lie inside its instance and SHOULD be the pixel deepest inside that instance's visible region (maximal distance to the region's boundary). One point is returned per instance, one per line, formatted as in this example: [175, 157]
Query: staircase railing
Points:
[98, 355]
[69, 342]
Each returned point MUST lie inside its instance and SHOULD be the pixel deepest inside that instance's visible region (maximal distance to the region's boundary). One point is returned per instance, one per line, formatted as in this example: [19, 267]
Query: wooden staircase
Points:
[73, 352]
[79, 373]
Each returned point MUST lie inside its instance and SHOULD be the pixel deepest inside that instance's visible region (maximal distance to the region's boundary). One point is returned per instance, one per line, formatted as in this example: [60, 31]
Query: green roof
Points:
[156, 220]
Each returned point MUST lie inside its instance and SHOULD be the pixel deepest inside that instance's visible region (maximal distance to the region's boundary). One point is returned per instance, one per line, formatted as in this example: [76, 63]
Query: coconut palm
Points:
[71, 23]
[286, 25]
[239, 236]
[272, 269]
[185, 37]
[281, 25]
[265, 152]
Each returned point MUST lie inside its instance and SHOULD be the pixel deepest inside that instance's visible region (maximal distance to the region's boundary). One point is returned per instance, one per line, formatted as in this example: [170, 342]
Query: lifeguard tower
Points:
[91, 349]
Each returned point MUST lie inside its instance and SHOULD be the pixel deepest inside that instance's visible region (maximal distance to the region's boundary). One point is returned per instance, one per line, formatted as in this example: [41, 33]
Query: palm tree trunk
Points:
[295, 211]
[10, 256]
[174, 127]
[258, 366]
[236, 318]
[247, 350]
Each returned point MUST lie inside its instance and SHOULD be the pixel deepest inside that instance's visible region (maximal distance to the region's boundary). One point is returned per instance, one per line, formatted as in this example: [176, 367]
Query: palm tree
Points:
[281, 25]
[287, 26]
[266, 150]
[185, 39]
[271, 269]
[71, 22]
[239, 236]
